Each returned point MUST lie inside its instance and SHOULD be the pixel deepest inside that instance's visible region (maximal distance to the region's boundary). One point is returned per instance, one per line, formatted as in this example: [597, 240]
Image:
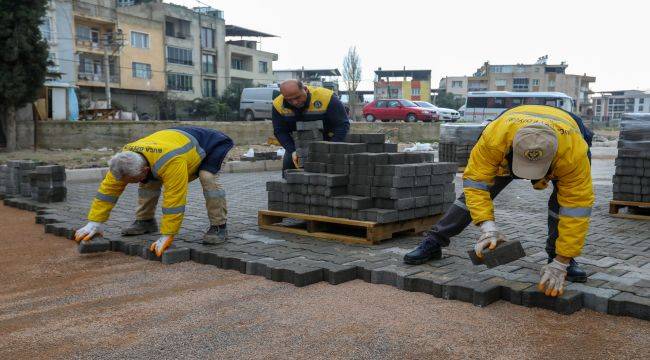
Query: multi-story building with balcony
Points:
[327, 78]
[609, 106]
[525, 77]
[403, 84]
[249, 64]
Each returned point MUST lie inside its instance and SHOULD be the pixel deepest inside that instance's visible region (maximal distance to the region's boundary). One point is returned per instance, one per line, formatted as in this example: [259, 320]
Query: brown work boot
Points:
[216, 234]
[140, 227]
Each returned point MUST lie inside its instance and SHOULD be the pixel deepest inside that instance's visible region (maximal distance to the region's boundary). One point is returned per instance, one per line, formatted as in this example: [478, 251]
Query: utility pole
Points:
[114, 42]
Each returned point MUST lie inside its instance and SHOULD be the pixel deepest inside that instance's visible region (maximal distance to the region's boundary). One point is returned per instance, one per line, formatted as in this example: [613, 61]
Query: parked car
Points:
[444, 114]
[257, 103]
[396, 109]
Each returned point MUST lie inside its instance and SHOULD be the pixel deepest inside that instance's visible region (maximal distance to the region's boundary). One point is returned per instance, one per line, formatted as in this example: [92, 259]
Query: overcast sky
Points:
[606, 39]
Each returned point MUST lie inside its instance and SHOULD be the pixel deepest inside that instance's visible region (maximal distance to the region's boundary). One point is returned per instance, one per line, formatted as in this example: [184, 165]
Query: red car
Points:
[397, 109]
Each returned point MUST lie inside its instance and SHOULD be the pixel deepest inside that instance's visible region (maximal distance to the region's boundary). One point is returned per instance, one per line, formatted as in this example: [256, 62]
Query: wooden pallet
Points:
[616, 205]
[340, 229]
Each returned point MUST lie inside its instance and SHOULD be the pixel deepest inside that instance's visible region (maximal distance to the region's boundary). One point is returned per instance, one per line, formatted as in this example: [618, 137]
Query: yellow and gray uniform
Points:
[570, 171]
[488, 173]
[175, 157]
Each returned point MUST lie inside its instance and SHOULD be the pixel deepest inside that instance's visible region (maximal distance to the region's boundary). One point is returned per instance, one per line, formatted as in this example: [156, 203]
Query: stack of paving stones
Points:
[4, 175]
[12, 178]
[260, 156]
[49, 181]
[457, 141]
[306, 133]
[632, 176]
[365, 179]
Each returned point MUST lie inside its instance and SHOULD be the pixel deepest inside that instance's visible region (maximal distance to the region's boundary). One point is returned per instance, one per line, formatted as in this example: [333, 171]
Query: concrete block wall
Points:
[114, 134]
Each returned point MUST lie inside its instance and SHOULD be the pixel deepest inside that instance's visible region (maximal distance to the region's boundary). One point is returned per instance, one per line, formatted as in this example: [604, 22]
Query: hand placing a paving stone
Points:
[161, 244]
[89, 231]
[553, 275]
[490, 238]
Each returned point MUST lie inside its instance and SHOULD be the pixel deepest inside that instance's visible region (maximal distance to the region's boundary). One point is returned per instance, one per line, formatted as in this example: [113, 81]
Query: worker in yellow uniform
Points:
[536, 142]
[167, 159]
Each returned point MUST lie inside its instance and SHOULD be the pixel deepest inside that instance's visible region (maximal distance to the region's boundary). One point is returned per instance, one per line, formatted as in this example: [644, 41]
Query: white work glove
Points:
[553, 275]
[161, 244]
[490, 238]
[87, 232]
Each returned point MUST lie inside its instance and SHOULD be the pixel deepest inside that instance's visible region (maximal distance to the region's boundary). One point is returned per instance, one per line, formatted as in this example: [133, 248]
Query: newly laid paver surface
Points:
[616, 255]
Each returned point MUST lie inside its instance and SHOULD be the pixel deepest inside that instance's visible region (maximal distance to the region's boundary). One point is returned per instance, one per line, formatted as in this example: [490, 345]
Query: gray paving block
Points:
[594, 298]
[372, 138]
[424, 180]
[175, 255]
[342, 213]
[147, 254]
[397, 204]
[309, 125]
[391, 193]
[322, 147]
[119, 245]
[567, 304]
[360, 180]
[379, 215]
[444, 168]
[315, 167]
[392, 275]
[420, 191]
[627, 304]
[351, 202]
[135, 249]
[297, 178]
[501, 255]
[337, 168]
[390, 148]
[397, 158]
[335, 159]
[277, 206]
[406, 214]
[98, 244]
[347, 148]
[510, 290]
[424, 169]
[393, 181]
[376, 148]
[359, 190]
[442, 179]
[279, 186]
[424, 282]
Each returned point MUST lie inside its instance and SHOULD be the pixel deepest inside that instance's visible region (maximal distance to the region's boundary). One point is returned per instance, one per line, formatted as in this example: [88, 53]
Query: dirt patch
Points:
[55, 303]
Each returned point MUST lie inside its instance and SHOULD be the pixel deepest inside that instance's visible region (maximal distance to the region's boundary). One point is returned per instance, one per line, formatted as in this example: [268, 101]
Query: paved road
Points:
[616, 255]
[57, 304]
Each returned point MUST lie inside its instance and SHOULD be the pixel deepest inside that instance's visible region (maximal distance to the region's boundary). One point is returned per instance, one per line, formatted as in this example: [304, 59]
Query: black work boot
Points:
[140, 227]
[573, 272]
[429, 249]
[216, 234]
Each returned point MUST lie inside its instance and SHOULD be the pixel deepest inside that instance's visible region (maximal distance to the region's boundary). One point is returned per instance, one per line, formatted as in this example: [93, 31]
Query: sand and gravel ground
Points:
[55, 303]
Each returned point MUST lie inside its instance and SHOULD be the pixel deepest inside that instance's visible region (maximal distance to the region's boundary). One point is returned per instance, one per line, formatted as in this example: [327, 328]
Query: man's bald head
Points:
[294, 93]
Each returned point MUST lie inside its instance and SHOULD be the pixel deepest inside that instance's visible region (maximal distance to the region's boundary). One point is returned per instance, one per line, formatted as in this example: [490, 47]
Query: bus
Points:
[485, 106]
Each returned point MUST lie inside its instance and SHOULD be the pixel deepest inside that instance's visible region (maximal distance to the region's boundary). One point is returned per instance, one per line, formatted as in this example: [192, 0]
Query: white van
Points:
[257, 103]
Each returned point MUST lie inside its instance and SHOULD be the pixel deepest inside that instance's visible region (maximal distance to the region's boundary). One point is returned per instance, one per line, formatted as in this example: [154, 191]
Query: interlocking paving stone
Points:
[98, 244]
[616, 254]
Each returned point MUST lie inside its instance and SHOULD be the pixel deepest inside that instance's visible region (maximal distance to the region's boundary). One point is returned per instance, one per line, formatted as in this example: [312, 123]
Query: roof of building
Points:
[314, 72]
[234, 30]
[416, 74]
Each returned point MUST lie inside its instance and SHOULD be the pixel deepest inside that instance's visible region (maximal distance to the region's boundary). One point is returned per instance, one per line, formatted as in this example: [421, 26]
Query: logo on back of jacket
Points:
[318, 104]
[140, 149]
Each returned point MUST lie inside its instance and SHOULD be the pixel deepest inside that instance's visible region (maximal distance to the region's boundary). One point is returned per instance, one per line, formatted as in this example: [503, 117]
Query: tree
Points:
[232, 94]
[23, 60]
[205, 107]
[352, 76]
[449, 100]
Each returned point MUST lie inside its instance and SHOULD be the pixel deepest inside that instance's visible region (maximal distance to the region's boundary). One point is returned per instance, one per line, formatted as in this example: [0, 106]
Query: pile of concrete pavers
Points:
[365, 180]
[261, 156]
[457, 140]
[632, 176]
[35, 180]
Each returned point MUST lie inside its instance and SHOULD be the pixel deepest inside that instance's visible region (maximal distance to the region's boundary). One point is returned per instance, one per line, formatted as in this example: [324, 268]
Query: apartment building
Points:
[403, 84]
[249, 64]
[524, 77]
[609, 106]
[155, 50]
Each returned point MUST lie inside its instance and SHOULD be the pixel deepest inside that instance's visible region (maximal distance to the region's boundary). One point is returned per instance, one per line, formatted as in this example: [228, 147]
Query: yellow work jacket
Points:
[174, 157]
[570, 167]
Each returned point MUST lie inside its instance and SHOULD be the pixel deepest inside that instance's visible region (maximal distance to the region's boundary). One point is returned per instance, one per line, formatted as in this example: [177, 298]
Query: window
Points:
[394, 92]
[500, 82]
[407, 103]
[125, 2]
[496, 103]
[46, 28]
[94, 36]
[83, 33]
[551, 83]
[179, 55]
[208, 63]
[380, 104]
[237, 64]
[179, 82]
[209, 88]
[52, 65]
[535, 82]
[207, 38]
[263, 67]
[169, 28]
[393, 104]
[141, 71]
[641, 100]
[139, 40]
[520, 84]
[415, 91]
[457, 84]
[640, 108]
[477, 102]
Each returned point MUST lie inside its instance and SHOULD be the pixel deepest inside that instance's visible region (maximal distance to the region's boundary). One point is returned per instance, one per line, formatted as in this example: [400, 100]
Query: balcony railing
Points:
[93, 10]
[100, 77]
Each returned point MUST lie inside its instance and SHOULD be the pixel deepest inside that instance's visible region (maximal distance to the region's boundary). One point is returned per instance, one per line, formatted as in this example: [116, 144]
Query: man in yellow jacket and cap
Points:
[535, 142]
[167, 159]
